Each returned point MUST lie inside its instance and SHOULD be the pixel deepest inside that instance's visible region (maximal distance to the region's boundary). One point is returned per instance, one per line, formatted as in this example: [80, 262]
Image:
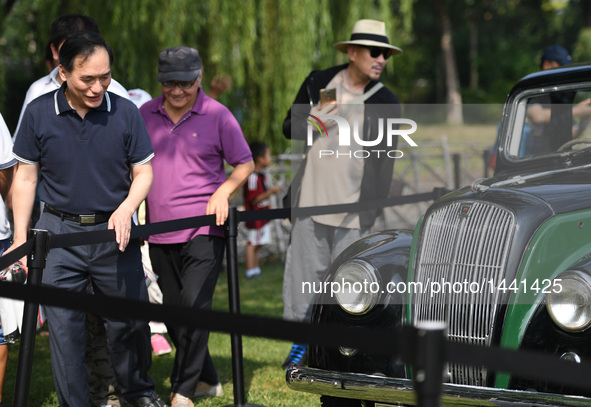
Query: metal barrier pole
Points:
[234, 299]
[486, 156]
[457, 171]
[36, 264]
[428, 362]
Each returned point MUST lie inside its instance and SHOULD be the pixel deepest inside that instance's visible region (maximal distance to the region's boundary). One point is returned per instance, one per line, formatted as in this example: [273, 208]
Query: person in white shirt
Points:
[7, 162]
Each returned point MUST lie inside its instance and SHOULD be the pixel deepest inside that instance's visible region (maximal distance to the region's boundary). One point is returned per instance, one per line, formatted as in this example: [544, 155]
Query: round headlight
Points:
[357, 287]
[569, 302]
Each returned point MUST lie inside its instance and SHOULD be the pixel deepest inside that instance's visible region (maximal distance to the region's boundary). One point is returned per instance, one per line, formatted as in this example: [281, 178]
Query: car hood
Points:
[563, 190]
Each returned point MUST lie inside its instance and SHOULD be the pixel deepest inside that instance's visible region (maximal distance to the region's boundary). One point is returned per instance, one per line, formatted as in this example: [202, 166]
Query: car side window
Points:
[550, 122]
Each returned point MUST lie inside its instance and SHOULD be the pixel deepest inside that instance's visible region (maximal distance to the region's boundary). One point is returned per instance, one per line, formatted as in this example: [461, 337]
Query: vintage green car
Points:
[504, 262]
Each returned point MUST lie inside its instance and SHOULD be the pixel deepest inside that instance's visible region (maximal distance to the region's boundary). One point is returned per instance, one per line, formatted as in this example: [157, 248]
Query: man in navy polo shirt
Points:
[93, 153]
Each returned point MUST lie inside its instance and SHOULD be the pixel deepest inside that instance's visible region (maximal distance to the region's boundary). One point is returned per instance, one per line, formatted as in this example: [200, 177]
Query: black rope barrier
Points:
[9, 259]
[379, 342]
[87, 238]
[424, 348]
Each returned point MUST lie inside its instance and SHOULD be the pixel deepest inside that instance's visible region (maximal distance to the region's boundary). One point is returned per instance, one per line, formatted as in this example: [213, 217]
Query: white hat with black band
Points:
[369, 33]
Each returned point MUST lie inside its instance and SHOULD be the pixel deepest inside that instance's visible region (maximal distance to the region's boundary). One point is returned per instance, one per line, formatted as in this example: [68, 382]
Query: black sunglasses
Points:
[376, 51]
[180, 84]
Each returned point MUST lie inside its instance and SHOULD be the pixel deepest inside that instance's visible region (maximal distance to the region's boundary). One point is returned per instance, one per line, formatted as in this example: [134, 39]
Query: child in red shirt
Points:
[256, 197]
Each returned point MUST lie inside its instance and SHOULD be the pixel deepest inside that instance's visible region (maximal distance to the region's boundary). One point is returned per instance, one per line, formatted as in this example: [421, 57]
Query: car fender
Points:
[389, 253]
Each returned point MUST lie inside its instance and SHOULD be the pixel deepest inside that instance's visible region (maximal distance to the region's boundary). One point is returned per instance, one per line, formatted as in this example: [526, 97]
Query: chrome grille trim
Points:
[463, 246]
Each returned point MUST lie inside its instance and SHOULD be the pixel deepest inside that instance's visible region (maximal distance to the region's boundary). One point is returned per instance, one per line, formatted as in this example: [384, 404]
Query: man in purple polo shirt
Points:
[192, 135]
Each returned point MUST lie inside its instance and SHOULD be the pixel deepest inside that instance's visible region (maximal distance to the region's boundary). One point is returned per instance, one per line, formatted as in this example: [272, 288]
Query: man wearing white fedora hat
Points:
[334, 173]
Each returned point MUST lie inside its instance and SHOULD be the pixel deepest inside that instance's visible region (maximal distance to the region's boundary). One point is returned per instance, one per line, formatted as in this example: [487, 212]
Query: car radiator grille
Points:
[464, 248]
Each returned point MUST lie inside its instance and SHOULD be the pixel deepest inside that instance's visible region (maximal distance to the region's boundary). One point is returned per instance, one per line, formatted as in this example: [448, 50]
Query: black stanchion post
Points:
[234, 297]
[36, 264]
[457, 171]
[428, 362]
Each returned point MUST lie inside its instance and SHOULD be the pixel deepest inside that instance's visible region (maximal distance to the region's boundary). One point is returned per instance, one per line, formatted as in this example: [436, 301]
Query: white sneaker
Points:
[205, 390]
[253, 272]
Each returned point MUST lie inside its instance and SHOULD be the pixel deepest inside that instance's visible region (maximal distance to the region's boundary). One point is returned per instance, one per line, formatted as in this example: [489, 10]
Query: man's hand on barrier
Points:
[218, 202]
[218, 205]
[120, 220]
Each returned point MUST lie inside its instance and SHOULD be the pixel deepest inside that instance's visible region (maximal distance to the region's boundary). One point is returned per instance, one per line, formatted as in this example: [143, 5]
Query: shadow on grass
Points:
[250, 369]
[221, 354]
[41, 389]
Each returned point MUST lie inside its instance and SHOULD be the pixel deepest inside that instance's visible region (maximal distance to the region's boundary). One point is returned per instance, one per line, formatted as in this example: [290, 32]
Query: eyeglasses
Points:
[180, 84]
[376, 51]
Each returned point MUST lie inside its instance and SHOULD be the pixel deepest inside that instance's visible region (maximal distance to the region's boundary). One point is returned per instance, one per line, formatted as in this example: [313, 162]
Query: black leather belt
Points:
[92, 219]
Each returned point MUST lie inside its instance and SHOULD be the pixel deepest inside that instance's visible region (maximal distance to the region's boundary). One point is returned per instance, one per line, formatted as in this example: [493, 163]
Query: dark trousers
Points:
[114, 274]
[187, 275]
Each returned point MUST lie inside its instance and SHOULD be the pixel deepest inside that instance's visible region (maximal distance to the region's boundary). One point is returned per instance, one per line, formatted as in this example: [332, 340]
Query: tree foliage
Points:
[268, 47]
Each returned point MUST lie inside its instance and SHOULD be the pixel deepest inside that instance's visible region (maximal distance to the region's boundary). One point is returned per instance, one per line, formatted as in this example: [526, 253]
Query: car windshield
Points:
[550, 122]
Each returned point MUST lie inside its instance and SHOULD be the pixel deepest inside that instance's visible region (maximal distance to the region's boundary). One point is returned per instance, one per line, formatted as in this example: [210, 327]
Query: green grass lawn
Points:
[264, 380]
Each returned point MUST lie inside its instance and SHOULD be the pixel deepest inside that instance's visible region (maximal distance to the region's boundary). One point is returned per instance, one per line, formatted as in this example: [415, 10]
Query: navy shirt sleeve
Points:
[138, 144]
[26, 146]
